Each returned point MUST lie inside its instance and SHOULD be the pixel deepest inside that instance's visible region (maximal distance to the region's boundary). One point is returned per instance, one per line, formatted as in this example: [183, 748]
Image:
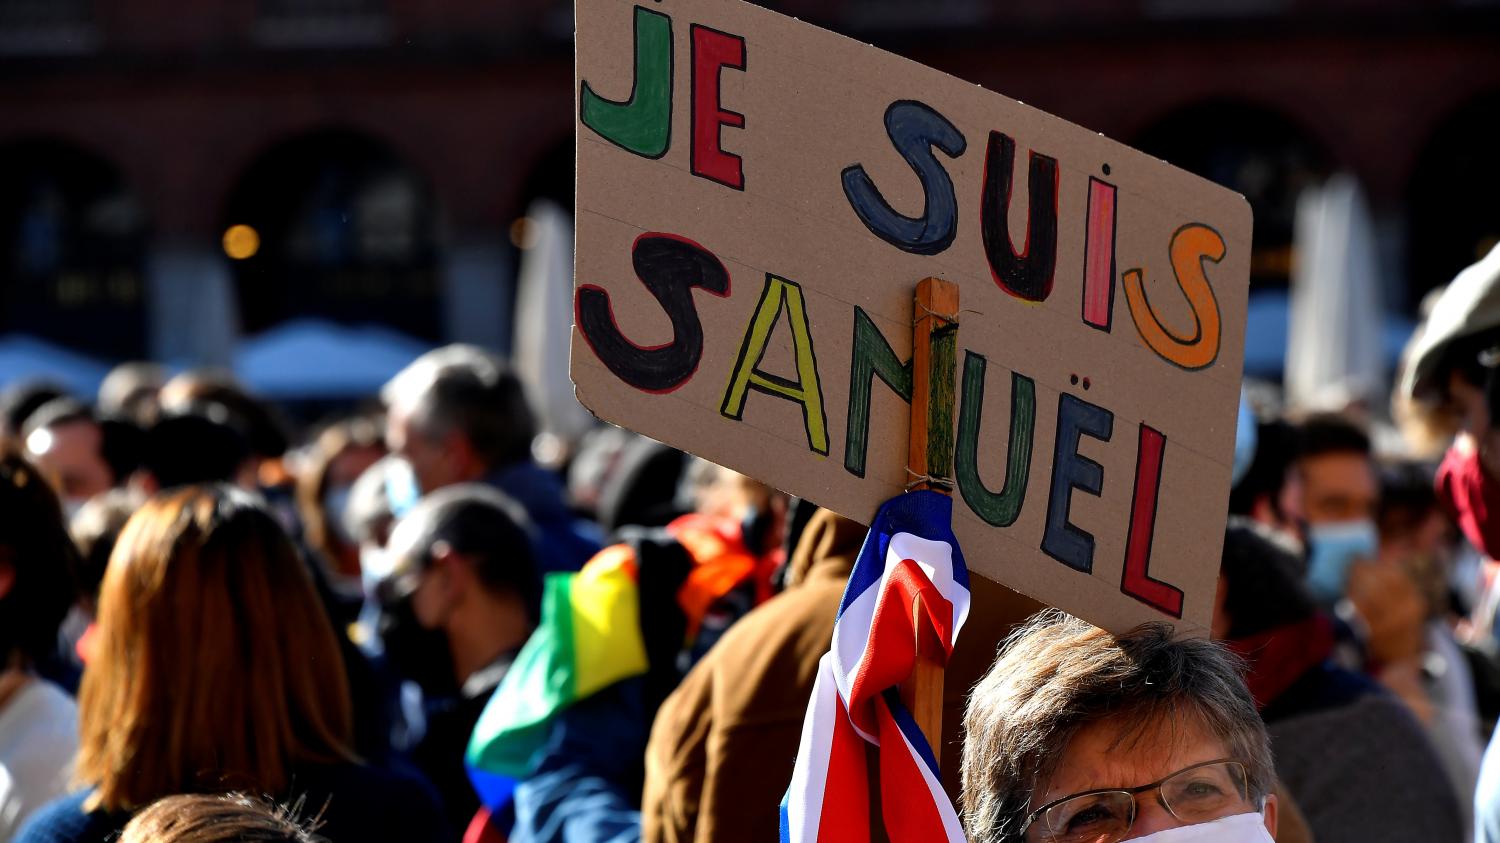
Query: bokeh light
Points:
[523, 233]
[241, 242]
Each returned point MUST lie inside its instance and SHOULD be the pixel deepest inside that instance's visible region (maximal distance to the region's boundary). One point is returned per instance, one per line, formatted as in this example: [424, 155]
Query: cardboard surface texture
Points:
[757, 199]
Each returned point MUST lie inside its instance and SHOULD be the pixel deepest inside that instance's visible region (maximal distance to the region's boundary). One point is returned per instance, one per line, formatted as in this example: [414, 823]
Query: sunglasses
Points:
[397, 587]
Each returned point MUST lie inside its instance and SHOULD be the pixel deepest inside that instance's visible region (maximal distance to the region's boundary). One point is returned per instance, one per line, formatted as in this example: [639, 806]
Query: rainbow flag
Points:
[589, 639]
[591, 635]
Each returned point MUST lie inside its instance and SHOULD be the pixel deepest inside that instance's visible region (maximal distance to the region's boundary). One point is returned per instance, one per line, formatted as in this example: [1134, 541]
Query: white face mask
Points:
[70, 507]
[1240, 828]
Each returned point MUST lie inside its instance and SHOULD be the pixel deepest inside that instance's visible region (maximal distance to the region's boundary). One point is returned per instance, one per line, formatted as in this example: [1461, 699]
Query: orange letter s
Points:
[1192, 244]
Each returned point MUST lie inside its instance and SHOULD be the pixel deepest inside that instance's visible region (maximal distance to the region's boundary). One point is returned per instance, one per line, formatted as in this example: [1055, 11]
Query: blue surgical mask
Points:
[401, 489]
[1245, 437]
[1331, 550]
[335, 505]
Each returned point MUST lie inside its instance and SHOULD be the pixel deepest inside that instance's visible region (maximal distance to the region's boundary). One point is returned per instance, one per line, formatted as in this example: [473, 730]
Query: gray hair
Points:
[468, 389]
[130, 391]
[1058, 674]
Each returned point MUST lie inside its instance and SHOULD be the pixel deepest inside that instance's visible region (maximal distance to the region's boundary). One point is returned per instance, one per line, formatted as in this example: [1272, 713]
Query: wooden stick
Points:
[930, 463]
[922, 692]
[934, 352]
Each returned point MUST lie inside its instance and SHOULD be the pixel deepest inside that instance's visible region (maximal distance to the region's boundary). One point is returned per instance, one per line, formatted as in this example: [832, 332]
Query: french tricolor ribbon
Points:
[909, 575]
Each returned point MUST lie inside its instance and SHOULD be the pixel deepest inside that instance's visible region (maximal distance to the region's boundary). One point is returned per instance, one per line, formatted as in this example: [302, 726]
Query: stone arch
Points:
[1453, 196]
[75, 240]
[1255, 150]
[337, 224]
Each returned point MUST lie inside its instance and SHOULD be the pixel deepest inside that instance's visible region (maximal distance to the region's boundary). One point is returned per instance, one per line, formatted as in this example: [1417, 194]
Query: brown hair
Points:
[34, 544]
[223, 818]
[95, 528]
[214, 667]
[313, 483]
[1058, 674]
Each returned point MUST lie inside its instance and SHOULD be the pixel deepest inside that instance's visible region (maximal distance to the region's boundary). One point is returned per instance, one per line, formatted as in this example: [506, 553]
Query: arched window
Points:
[1251, 150]
[72, 250]
[334, 225]
[549, 179]
[1455, 217]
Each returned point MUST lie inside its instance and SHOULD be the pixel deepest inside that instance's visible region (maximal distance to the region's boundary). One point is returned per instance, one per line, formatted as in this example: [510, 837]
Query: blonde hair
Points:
[1427, 424]
[215, 667]
[222, 818]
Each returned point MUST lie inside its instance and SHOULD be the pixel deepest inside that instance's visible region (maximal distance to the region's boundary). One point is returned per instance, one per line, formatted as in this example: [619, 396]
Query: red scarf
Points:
[1472, 498]
[1279, 656]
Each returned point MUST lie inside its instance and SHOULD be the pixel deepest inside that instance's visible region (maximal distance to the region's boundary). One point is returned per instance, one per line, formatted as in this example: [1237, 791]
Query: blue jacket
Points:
[564, 541]
[362, 803]
[587, 780]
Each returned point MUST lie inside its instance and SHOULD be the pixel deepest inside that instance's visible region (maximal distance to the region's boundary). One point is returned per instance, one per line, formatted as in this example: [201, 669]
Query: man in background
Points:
[1340, 496]
[459, 593]
[81, 454]
[459, 415]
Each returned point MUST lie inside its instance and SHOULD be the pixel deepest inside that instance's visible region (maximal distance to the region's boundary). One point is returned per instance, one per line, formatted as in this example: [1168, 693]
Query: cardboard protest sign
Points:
[757, 200]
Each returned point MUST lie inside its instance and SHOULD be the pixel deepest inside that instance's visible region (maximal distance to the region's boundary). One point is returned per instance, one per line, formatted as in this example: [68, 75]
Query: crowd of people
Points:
[400, 625]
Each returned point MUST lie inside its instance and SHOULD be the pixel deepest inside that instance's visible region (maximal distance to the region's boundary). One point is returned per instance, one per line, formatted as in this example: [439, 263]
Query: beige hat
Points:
[1470, 305]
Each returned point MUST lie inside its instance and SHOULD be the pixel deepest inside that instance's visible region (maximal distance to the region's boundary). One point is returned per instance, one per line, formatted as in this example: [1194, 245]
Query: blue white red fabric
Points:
[909, 575]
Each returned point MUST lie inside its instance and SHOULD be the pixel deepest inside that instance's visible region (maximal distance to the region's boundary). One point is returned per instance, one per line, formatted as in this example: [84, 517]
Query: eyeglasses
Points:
[1197, 794]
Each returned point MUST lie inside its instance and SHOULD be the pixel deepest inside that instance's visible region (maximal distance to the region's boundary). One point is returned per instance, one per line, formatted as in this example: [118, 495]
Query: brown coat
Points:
[724, 743]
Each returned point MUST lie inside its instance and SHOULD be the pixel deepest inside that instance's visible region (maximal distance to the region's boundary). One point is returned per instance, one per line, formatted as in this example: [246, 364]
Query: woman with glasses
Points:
[1077, 736]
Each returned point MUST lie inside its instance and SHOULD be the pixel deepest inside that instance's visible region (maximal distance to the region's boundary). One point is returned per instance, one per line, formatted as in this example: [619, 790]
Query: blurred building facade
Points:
[174, 175]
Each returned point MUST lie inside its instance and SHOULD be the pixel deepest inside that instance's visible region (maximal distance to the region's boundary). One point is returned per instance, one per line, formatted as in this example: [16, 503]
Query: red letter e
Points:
[712, 51]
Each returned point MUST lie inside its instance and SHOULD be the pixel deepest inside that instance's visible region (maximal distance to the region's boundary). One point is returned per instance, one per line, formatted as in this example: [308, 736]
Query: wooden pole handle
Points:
[930, 466]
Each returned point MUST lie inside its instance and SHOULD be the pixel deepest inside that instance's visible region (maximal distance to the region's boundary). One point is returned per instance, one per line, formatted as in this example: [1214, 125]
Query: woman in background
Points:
[339, 455]
[215, 669]
[38, 720]
[219, 818]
